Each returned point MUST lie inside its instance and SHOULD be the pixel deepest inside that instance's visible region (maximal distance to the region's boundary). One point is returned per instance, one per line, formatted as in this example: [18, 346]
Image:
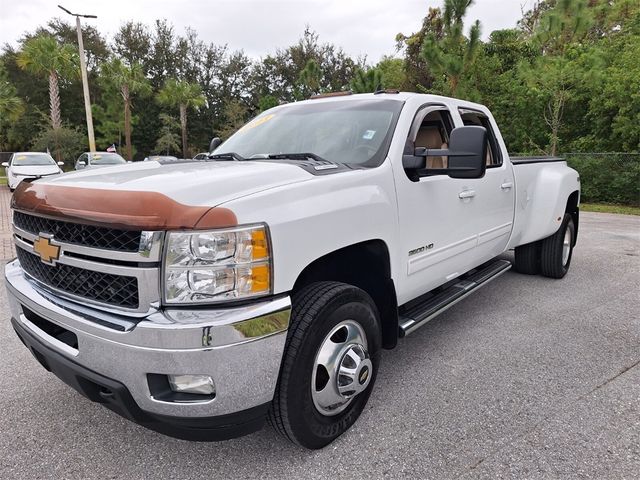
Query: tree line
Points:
[566, 79]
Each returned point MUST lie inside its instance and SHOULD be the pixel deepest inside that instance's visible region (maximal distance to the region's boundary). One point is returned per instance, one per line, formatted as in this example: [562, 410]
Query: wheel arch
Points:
[366, 265]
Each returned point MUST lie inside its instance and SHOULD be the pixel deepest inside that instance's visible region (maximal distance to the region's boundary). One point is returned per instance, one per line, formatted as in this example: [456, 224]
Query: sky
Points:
[360, 27]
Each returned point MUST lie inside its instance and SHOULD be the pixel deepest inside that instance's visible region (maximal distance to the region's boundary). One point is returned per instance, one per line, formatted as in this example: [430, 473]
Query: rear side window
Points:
[473, 117]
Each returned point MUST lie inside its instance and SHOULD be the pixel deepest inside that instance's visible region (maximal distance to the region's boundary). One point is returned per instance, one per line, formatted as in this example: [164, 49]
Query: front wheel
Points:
[330, 363]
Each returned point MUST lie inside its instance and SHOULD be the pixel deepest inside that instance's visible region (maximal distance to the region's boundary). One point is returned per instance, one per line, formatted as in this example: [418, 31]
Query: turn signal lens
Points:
[259, 243]
[260, 277]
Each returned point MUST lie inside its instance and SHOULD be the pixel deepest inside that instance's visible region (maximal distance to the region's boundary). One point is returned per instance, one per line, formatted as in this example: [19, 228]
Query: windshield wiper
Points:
[297, 156]
[227, 156]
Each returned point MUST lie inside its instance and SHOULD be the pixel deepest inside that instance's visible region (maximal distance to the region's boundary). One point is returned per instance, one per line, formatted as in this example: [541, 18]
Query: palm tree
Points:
[43, 55]
[452, 54]
[11, 106]
[367, 82]
[129, 80]
[185, 95]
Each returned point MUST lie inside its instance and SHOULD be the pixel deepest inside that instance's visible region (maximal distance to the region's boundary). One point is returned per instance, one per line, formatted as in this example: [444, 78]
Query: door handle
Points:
[467, 194]
[506, 185]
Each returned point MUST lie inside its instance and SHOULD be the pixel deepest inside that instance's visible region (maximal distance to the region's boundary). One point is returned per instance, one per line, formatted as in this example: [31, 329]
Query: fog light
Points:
[201, 384]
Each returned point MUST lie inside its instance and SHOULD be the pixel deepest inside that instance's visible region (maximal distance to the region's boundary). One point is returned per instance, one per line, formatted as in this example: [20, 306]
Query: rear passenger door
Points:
[492, 204]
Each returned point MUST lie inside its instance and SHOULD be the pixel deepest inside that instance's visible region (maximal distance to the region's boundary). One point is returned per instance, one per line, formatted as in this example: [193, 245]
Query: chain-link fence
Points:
[607, 177]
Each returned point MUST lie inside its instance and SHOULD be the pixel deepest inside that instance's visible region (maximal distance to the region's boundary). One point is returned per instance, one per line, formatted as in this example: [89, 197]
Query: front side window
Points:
[23, 160]
[430, 129]
[106, 159]
[353, 132]
[434, 133]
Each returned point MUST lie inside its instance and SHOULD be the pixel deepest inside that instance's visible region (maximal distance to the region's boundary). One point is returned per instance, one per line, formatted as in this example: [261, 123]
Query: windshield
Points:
[22, 160]
[354, 131]
[106, 159]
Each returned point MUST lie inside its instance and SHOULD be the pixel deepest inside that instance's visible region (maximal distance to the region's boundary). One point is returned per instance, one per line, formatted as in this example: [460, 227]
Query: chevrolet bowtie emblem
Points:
[48, 252]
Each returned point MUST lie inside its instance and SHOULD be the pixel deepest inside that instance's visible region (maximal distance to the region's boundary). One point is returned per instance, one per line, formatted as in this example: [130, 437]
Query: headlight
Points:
[217, 265]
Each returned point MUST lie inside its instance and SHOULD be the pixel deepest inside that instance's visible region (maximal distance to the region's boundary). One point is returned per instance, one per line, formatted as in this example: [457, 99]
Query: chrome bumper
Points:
[240, 348]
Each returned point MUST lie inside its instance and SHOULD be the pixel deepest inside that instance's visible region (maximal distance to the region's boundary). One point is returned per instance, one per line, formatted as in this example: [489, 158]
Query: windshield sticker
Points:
[21, 157]
[369, 134]
[97, 157]
[257, 122]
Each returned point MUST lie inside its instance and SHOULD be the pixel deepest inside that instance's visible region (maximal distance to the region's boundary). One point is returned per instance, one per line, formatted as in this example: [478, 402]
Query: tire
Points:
[555, 254]
[528, 258]
[324, 315]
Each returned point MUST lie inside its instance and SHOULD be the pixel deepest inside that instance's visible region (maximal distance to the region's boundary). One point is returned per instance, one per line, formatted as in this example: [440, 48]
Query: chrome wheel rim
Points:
[342, 368]
[566, 247]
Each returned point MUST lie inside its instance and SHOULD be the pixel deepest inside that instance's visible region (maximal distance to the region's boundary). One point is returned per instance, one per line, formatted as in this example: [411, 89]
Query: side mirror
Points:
[467, 154]
[5, 164]
[81, 164]
[215, 143]
[61, 164]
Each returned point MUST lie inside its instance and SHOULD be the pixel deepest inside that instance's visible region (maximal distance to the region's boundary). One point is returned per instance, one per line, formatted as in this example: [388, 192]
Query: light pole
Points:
[85, 82]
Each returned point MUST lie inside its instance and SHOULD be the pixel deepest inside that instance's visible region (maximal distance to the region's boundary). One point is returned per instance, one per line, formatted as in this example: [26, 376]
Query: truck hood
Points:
[197, 183]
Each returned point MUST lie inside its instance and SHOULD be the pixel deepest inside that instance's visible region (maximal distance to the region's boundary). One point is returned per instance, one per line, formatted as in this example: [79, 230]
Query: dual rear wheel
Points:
[551, 256]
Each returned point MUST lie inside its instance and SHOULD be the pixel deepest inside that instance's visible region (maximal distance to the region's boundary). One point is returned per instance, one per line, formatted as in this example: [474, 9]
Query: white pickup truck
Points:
[199, 298]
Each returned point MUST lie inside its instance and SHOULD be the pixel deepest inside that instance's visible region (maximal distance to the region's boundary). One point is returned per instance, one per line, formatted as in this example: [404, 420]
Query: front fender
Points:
[311, 219]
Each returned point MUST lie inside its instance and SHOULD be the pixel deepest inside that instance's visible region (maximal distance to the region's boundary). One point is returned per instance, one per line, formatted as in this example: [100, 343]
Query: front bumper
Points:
[240, 348]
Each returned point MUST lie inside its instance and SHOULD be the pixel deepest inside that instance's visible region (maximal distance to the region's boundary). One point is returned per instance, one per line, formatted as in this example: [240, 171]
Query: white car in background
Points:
[29, 165]
[99, 159]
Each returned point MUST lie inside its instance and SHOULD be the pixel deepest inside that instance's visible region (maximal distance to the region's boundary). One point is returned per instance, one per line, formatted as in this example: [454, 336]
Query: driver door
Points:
[437, 223]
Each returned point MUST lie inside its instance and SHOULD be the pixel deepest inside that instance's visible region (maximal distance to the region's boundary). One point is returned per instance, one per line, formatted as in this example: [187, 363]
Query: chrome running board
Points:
[425, 308]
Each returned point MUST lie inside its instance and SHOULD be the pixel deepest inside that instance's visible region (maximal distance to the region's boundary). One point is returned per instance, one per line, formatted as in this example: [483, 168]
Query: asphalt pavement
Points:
[528, 378]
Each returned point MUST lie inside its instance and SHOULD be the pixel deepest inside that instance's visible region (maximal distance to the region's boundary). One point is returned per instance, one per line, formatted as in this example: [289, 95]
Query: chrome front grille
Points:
[96, 265]
[80, 234]
[116, 290]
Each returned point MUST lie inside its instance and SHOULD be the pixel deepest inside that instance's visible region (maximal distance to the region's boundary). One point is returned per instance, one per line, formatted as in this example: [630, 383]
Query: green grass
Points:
[607, 208]
[3, 180]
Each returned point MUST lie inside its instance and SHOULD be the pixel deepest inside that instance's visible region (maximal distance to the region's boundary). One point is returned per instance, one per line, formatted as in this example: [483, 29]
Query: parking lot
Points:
[528, 378]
